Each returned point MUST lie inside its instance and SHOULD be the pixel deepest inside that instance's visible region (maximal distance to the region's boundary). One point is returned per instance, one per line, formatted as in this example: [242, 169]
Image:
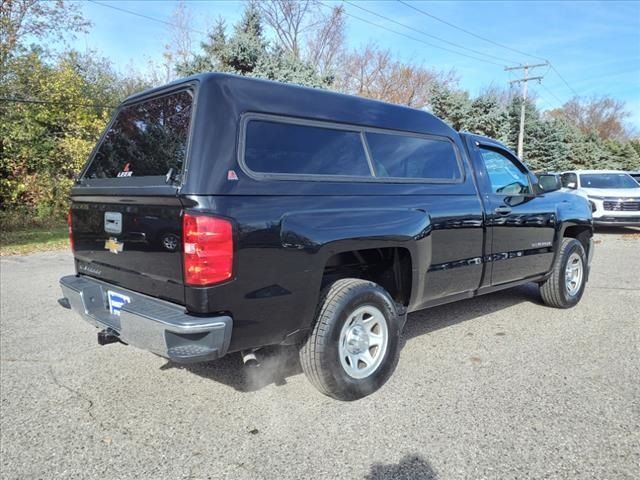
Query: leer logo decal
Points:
[126, 171]
[113, 245]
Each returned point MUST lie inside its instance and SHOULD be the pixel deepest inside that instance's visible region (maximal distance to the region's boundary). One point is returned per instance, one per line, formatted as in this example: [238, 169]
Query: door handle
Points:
[503, 210]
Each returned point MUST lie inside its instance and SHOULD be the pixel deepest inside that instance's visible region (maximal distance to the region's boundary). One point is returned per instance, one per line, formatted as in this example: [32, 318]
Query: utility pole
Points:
[524, 81]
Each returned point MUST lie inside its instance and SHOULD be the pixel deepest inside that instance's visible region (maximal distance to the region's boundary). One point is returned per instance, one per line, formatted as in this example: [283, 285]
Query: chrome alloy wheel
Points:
[573, 274]
[363, 342]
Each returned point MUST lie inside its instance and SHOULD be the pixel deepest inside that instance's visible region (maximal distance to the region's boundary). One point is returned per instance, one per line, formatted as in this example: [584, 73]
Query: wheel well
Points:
[388, 267]
[581, 233]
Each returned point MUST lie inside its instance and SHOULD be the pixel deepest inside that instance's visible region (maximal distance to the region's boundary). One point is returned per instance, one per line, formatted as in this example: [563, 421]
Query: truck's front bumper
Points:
[163, 328]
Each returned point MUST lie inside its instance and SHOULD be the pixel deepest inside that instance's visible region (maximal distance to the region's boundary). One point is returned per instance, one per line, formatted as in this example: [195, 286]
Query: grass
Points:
[34, 239]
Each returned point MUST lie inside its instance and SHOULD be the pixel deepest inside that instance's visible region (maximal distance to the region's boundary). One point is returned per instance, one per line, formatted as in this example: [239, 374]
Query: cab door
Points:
[521, 222]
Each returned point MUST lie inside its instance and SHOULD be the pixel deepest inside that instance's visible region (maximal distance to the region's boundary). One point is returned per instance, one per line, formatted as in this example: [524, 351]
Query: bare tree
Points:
[181, 35]
[604, 116]
[180, 50]
[502, 95]
[289, 20]
[373, 72]
[305, 31]
[325, 43]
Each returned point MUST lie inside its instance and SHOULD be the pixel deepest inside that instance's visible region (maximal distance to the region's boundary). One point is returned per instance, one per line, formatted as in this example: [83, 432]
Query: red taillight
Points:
[208, 249]
[70, 224]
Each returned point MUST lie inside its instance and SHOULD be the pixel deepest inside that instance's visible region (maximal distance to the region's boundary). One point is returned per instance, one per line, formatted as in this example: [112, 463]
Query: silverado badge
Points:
[113, 245]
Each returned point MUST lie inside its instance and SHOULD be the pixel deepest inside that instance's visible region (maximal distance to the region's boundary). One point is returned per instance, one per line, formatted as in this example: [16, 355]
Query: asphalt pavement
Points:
[495, 387]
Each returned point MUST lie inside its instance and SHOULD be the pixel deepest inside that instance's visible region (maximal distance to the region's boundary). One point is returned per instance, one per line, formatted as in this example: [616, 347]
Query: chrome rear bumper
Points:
[161, 327]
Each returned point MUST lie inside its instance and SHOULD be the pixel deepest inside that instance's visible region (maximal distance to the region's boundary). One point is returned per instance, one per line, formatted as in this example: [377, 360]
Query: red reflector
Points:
[208, 249]
[70, 224]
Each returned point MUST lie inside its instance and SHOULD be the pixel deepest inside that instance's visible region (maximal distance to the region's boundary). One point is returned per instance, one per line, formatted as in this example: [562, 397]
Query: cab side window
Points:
[406, 156]
[506, 177]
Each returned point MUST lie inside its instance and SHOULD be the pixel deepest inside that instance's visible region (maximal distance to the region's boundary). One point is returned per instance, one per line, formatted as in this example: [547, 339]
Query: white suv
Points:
[614, 196]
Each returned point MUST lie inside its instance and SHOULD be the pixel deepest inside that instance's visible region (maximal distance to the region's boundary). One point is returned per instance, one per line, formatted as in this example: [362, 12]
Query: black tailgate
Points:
[133, 242]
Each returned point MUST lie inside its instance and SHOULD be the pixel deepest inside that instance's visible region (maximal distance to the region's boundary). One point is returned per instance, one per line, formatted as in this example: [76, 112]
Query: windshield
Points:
[607, 180]
[147, 139]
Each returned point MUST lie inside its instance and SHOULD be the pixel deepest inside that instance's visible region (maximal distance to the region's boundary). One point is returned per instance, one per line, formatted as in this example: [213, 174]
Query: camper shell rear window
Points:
[147, 139]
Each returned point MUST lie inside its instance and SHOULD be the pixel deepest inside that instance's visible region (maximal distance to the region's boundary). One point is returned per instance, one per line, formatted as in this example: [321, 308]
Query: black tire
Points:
[319, 354]
[554, 290]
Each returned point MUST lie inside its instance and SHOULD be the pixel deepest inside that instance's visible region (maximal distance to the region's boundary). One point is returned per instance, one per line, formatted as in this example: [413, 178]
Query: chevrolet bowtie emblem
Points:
[113, 245]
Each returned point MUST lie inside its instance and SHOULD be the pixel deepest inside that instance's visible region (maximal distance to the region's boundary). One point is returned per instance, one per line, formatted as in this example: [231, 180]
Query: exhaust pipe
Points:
[249, 358]
[105, 337]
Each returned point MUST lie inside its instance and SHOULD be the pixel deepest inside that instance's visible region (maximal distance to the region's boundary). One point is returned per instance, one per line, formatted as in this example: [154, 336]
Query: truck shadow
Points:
[409, 467]
[279, 363]
[432, 319]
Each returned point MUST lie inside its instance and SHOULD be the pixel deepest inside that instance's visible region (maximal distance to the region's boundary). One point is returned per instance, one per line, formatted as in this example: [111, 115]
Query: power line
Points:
[48, 102]
[413, 38]
[545, 100]
[470, 33]
[551, 66]
[551, 93]
[153, 19]
[164, 22]
[609, 74]
[562, 78]
[478, 52]
[547, 89]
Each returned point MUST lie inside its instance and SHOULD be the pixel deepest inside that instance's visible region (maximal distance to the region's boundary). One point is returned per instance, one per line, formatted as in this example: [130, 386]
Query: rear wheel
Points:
[353, 347]
[565, 286]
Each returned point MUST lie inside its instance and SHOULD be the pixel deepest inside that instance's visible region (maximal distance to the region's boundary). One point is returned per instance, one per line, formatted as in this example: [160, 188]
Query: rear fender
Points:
[325, 233]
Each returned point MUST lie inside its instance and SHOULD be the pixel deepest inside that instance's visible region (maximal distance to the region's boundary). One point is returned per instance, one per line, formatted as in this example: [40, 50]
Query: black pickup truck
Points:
[223, 214]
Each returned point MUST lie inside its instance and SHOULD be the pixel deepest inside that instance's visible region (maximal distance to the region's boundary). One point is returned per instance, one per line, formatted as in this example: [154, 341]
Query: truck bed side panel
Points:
[283, 243]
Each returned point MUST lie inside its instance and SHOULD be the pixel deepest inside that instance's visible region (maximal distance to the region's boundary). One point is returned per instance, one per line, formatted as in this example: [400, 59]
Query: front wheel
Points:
[565, 286]
[353, 347]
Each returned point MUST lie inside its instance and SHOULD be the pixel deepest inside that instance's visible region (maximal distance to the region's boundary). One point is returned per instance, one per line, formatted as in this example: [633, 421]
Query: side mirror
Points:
[549, 183]
[572, 185]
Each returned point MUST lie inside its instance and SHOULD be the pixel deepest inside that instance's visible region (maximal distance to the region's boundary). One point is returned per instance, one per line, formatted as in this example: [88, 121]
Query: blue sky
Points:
[594, 45]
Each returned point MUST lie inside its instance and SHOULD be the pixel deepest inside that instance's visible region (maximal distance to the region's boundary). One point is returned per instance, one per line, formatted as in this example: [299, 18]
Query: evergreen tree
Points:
[621, 155]
[547, 149]
[486, 116]
[283, 67]
[587, 152]
[631, 158]
[246, 47]
[450, 105]
[635, 144]
[246, 52]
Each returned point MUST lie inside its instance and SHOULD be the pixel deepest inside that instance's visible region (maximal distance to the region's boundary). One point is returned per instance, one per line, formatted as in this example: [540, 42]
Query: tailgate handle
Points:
[113, 222]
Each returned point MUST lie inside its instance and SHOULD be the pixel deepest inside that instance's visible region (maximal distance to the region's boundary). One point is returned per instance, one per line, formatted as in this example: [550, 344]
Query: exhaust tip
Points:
[105, 337]
[249, 358]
